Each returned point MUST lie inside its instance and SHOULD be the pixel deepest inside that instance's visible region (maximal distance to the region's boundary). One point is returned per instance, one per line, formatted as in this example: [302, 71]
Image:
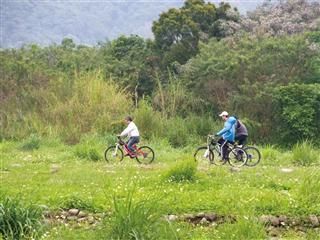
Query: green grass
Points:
[18, 221]
[54, 176]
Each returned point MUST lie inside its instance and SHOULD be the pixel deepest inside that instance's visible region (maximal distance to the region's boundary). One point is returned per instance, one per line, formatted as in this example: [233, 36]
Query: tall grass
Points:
[182, 171]
[137, 220]
[308, 196]
[18, 221]
[304, 154]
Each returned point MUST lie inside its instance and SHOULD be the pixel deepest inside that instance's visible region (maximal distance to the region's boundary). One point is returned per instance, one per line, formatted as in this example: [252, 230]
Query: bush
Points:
[303, 154]
[177, 132]
[298, 112]
[86, 151]
[182, 171]
[31, 143]
[18, 221]
[137, 220]
[148, 120]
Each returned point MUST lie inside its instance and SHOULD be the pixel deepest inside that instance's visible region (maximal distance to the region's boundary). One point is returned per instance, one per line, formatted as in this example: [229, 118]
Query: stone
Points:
[82, 214]
[72, 218]
[274, 221]
[91, 219]
[73, 212]
[283, 220]
[200, 215]
[172, 217]
[235, 169]
[286, 170]
[211, 217]
[81, 220]
[314, 221]
[265, 219]
[204, 221]
[54, 168]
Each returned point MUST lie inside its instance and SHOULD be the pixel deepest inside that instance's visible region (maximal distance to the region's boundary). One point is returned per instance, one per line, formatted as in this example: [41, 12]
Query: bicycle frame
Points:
[121, 143]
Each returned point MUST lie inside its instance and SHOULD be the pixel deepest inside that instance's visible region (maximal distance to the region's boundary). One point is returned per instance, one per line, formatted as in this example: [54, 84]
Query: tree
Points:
[283, 18]
[127, 61]
[178, 31]
[297, 107]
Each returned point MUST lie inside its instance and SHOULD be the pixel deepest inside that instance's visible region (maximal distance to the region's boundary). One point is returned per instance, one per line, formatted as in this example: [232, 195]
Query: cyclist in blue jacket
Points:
[227, 133]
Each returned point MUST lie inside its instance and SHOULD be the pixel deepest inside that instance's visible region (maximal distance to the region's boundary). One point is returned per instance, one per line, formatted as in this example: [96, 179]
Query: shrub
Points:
[177, 132]
[304, 154]
[31, 143]
[18, 221]
[137, 220]
[182, 171]
[87, 151]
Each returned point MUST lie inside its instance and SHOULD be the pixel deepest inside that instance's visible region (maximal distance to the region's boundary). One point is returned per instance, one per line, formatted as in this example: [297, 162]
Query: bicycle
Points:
[143, 154]
[254, 155]
[237, 157]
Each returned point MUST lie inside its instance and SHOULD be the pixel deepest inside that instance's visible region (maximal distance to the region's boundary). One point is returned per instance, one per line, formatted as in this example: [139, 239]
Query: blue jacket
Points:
[228, 131]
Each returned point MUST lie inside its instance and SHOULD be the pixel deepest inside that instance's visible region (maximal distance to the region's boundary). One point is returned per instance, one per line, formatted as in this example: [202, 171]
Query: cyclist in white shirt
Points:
[132, 132]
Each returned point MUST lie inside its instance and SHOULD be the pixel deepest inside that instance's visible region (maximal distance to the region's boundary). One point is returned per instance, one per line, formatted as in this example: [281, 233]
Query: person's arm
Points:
[227, 127]
[127, 130]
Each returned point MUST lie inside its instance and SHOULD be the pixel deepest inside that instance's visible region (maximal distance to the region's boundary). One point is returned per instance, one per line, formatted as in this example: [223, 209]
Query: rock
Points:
[73, 212]
[211, 217]
[235, 169]
[283, 220]
[91, 219]
[54, 168]
[204, 221]
[273, 232]
[81, 220]
[200, 215]
[286, 170]
[314, 221]
[172, 217]
[275, 221]
[72, 218]
[82, 214]
[265, 219]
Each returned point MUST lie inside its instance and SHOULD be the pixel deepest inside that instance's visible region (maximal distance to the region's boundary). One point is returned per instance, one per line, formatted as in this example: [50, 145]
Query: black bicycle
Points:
[236, 156]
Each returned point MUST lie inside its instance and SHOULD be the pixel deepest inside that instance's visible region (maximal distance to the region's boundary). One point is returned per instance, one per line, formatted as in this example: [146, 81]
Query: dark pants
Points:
[131, 142]
[241, 139]
[224, 147]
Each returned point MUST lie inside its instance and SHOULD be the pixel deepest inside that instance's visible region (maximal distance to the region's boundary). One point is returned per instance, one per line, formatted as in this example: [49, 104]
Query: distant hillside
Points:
[46, 22]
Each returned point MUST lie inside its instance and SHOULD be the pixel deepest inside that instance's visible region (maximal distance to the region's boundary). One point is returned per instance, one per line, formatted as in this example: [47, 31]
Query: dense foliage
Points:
[202, 61]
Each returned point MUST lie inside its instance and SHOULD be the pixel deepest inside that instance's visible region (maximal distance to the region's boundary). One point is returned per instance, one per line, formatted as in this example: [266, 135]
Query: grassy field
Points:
[136, 198]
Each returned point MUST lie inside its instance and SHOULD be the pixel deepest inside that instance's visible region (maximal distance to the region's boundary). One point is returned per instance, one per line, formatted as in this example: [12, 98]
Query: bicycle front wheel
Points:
[237, 157]
[113, 154]
[254, 156]
[145, 155]
[203, 154]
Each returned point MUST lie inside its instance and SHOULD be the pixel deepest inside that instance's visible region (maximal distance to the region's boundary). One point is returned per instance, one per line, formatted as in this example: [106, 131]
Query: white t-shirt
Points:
[131, 131]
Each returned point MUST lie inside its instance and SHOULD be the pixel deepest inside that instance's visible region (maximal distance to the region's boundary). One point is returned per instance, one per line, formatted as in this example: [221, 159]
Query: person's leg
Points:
[224, 149]
[131, 142]
[242, 140]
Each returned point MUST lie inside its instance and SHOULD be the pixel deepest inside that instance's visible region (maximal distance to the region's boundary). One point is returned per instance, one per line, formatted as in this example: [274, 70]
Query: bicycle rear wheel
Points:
[254, 156]
[202, 155]
[144, 155]
[113, 154]
[237, 157]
